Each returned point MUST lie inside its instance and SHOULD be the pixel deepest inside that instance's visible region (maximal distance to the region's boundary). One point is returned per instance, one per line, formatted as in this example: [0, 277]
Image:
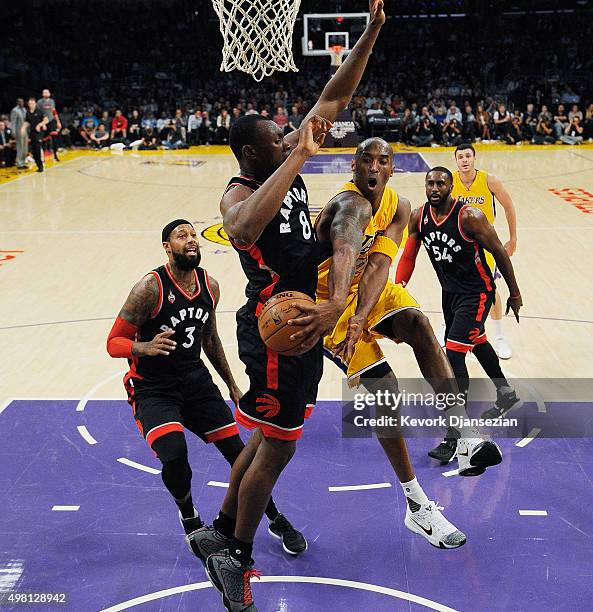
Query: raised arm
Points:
[245, 213]
[502, 195]
[214, 350]
[407, 262]
[476, 226]
[336, 95]
[139, 306]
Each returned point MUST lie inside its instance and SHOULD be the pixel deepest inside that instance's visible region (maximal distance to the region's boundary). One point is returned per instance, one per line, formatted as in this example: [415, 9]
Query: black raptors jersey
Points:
[183, 313]
[459, 261]
[283, 257]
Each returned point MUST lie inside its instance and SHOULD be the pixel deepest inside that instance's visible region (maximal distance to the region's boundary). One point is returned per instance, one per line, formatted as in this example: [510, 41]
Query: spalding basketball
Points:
[273, 319]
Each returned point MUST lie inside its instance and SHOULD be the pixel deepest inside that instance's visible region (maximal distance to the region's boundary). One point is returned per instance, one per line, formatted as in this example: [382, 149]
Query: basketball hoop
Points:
[257, 35]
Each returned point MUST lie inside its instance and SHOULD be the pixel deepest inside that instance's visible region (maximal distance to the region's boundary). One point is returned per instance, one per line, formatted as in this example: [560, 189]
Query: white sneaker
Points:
[428, 521]
[474, 454]
[440, 334]
[502, 348]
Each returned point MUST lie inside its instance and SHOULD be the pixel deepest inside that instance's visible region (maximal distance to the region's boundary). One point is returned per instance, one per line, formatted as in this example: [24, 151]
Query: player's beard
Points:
[183, 262]
[440, 202]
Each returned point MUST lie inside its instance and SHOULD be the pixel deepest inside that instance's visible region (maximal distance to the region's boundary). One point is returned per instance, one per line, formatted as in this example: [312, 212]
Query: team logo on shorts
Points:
[171, 297]
[473, 334]
[269, 404]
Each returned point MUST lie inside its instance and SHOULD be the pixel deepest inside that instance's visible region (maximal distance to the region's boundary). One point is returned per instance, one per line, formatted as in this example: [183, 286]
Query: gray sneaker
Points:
[206, 541]
[506, 401]
[233, 580]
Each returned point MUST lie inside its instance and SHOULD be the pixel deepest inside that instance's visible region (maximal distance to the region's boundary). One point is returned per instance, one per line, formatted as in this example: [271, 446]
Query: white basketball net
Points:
[257, 35]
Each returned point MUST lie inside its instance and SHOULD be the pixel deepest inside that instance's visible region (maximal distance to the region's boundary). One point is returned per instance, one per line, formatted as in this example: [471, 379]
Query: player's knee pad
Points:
[170, 447]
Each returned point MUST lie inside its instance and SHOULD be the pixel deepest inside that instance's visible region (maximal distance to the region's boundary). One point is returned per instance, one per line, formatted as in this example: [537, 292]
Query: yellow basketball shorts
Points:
[367, 352]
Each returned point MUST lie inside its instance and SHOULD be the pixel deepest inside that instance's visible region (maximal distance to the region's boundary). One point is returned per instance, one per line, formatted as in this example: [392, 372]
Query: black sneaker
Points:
[447, 449]
[293, 541]
[207, 541]
[506, 400]
[191, 524]
[232, 579]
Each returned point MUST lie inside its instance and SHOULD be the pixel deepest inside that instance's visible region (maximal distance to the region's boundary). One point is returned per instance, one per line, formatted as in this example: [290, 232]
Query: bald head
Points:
[378, 145]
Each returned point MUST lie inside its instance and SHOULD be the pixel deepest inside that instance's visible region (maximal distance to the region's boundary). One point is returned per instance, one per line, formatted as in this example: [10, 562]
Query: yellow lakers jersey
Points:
[477, 194]
[378, 224]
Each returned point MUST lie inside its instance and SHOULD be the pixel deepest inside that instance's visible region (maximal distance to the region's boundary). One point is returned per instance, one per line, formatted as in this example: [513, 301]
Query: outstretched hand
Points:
[514, 304]
[377, 13]
[313, 133]
[345, 349]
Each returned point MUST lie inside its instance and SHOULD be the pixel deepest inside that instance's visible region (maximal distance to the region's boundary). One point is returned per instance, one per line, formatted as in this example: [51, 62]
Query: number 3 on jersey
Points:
[190, 337]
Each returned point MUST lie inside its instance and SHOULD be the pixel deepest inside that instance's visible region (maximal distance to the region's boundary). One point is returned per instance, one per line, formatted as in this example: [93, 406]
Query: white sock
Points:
[414, 491]
[498, 333]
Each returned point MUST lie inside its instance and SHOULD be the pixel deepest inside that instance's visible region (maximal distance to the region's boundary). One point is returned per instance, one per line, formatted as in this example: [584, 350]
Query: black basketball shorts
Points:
[465, 318]
[191, 402]
[282, 390]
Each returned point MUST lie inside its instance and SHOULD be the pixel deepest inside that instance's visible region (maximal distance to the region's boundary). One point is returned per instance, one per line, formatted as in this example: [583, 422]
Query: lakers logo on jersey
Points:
[472, 200]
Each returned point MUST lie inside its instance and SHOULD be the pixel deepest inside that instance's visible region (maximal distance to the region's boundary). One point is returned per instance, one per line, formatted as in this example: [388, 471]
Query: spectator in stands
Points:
[100, 137]
[470, 125]
[588, 125]
[374, 110]
[135, 126]
[193, 128]
[530, 122]
[295, 118]
[544, 133]
[502, 122]
[119, 128]
[86, 132]
[575, 112]
[483, 119]
[281, 119]
[235, 115]
[149, 121]
[149, 141]
[545, 114]
[452, 133]
[560, 121]
[162, 124]
[223, 125]
[408, 126]
[573, 133]
[250, 109]
[422, 135]
[105, 119]
[7, 146]
[172, 139]
[440, 112]
[453, 113]
[515, 133]
[181, 122]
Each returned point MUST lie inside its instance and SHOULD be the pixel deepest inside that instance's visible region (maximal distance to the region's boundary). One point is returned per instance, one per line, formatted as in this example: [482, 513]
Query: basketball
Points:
[272, 323]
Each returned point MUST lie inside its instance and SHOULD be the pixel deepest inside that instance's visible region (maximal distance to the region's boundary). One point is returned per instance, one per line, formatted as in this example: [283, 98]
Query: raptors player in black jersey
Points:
[455, 236]
[167, 319]
[265, 213]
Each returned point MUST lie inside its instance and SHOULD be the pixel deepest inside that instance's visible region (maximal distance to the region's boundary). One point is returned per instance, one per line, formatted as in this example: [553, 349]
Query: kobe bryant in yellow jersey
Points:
[482, 190]
[359, 232]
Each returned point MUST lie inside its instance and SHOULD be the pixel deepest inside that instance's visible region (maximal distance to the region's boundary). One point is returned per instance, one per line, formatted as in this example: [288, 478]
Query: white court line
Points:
[82, 403]
[65, 508]
[215, 483]
[351, 584]
[529, 438]
[450, 473]
[533, 513]
[47, 169]
[5, 404]
[84, 432]
[364, 487]
[138, 466]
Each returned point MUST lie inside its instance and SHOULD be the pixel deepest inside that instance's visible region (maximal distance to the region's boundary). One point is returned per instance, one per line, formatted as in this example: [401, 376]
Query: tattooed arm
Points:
[343, 222]
[214, 350]
[141, 302]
